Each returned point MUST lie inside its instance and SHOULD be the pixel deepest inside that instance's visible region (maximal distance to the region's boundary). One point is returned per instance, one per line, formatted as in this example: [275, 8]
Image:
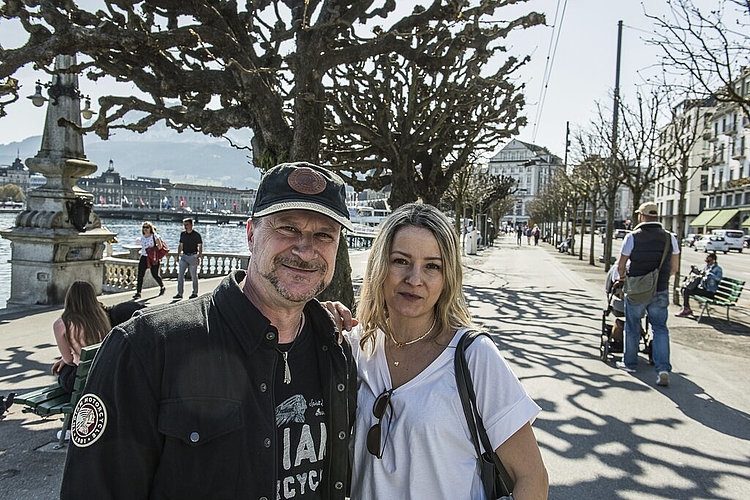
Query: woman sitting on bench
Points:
[83, 323]
[704, 283]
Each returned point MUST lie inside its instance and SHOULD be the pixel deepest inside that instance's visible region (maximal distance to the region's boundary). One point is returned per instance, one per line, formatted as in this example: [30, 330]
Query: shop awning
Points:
[746, 223]
[704, 218]
[722, 218]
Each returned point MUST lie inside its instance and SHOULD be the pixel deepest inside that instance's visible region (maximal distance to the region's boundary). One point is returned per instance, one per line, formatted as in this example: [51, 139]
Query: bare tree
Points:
[640, 144]
[8, 88]
[428, 119]
[594, 148]
[688, 124]
[710, 48]
[483, 193]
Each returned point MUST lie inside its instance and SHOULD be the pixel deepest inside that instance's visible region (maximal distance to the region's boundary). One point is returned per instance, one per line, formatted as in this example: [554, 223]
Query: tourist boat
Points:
[368, 216]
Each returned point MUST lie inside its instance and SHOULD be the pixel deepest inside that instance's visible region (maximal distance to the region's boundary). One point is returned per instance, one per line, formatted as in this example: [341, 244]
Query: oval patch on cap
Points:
[307, 181]
[89, 421]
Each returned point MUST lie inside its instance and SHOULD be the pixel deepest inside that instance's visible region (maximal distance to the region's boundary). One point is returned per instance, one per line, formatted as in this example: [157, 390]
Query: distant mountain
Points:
[188, 157]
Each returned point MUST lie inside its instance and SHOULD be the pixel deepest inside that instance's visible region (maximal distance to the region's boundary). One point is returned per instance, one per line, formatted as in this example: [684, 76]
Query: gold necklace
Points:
[401, 345]
[285, 354]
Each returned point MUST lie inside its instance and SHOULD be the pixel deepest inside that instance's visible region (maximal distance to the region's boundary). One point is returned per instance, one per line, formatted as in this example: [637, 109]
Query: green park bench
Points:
[727, 296]
[54, 400]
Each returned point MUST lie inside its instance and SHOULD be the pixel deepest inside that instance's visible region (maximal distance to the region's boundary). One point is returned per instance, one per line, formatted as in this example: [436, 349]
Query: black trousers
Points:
[142, 266]
[695, 291]
[66, 377]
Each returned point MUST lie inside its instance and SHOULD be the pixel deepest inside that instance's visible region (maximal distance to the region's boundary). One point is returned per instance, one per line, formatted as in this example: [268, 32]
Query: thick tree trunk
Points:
[341, 286]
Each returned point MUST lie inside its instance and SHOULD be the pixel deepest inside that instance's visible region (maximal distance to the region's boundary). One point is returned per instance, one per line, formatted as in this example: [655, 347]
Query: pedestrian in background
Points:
[707, 284]
[412, 438]
[148, 240]
[189, 254]
[83, 322]
[644, 248]
[246, 392]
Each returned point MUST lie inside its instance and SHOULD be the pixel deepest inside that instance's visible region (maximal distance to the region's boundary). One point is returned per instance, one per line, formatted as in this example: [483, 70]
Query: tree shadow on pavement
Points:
[18, 366]
[613, 431]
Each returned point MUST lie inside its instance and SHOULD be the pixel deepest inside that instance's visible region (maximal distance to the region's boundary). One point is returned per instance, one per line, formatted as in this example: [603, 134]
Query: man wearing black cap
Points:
[643, 251]
[242, 393]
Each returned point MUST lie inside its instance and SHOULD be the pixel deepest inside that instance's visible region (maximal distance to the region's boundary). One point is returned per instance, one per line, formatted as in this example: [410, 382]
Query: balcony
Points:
[713, 160]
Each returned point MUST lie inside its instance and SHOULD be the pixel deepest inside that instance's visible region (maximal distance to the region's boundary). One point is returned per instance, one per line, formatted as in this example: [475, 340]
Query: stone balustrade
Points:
[121, 270]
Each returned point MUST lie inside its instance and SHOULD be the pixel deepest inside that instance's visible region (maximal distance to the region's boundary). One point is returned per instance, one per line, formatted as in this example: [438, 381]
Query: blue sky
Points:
[582, 71]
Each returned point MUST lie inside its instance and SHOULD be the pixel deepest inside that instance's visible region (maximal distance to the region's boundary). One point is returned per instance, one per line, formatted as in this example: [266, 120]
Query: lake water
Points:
[226, 238]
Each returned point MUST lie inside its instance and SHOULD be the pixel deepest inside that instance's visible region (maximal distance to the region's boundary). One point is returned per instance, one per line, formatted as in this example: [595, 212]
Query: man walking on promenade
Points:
[241, 393]
[189, 254]
[644, 248]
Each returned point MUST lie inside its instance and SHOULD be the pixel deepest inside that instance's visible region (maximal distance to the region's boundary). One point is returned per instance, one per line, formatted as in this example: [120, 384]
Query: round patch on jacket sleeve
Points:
[89, 421]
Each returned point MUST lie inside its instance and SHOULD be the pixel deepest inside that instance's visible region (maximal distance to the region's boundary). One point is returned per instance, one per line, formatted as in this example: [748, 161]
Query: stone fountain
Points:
[57, 239]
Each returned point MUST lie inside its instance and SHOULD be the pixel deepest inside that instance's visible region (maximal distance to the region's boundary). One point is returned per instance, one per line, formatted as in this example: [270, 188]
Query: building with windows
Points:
[531, 166]
[728, 184]
[718, 194]
[16, 174]
[111, 189]
[687, 132]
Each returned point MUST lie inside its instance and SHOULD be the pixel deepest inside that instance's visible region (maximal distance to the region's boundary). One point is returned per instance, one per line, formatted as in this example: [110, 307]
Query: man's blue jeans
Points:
[187, 262]
[658, 310]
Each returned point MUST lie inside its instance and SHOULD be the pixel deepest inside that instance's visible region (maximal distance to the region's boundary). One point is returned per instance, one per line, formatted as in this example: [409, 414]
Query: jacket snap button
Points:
[325, 347]
[342, 435]
[263, 387]
[270, 336]
[339, 485]
[340, 387]
[194, 437]
[267, 442]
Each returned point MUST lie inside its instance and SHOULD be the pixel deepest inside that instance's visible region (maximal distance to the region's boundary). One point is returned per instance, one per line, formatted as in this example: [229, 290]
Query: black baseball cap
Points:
[302, 186]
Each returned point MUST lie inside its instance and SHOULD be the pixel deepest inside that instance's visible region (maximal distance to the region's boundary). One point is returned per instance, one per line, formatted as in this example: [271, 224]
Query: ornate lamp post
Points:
[57, 239]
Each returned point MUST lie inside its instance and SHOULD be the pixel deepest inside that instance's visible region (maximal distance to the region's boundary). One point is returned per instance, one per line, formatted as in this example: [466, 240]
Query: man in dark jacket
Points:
[243, 393]
[641, 253]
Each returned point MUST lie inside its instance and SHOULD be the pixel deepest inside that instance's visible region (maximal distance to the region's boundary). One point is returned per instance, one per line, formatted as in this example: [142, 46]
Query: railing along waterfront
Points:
[121, 271]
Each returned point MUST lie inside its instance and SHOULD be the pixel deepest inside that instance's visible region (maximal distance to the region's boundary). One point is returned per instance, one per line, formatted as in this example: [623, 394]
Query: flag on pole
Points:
[216, 203]
[182, 202]
[140, 200]
[125, 200]
[101, 199]
[166, 202]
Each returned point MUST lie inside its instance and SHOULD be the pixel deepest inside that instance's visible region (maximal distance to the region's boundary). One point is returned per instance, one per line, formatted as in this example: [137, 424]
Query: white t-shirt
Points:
[428, 452]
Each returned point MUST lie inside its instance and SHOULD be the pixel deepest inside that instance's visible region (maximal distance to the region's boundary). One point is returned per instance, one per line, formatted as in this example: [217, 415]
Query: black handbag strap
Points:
[468, 401]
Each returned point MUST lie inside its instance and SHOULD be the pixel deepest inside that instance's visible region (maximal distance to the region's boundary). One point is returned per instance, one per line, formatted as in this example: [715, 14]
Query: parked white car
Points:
[734, 238]
[711, 243]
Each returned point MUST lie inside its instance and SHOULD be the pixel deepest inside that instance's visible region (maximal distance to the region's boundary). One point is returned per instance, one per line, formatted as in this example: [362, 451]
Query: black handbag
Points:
[495, 479]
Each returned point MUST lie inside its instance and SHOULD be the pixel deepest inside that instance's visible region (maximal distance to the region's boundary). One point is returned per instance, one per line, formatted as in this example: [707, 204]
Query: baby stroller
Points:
[613, 334]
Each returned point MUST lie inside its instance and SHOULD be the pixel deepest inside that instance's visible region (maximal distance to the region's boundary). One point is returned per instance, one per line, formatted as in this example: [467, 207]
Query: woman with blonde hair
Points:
[84, 322]
[411, 436]
[149, 239]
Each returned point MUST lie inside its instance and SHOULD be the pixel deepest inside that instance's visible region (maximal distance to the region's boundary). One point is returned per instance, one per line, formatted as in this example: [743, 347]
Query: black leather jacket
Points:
[188, 392]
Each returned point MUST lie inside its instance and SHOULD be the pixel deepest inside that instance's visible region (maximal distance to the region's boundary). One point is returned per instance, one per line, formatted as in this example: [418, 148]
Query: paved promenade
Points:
[604, 434]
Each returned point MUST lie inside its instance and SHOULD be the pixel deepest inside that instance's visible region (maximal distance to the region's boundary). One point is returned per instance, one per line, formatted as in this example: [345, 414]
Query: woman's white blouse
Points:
[428, 450]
